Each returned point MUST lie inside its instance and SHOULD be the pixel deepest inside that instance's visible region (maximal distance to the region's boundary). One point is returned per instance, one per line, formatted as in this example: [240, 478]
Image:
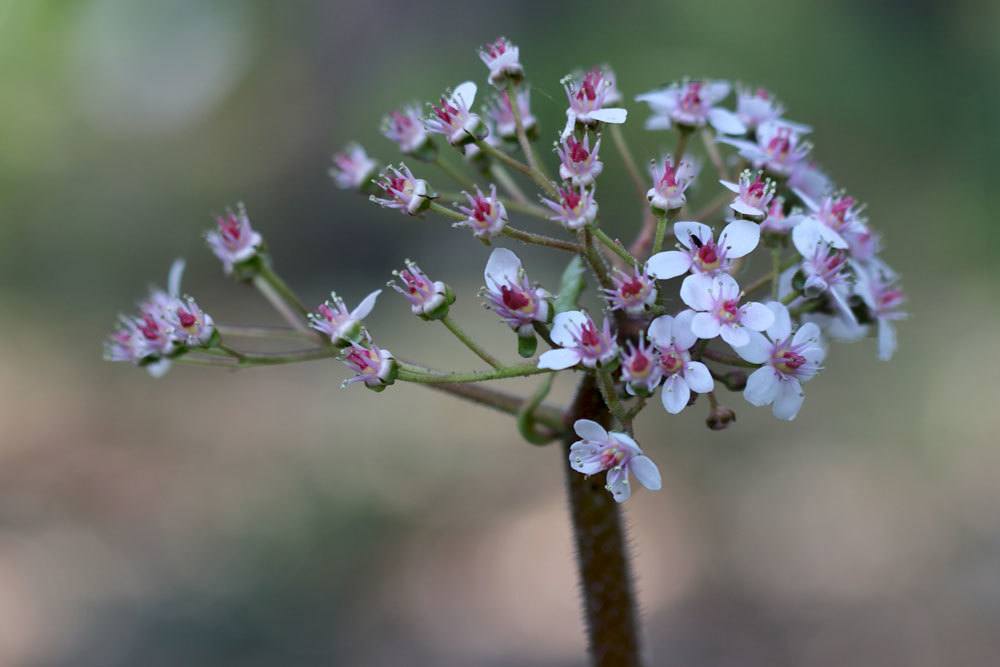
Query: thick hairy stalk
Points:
[605, 582]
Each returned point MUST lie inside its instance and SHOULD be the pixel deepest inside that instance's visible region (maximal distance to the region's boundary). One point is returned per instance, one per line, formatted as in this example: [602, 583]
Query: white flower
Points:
[641, 370]
[501, 114]
[575, 209]
[587, 96]
[616, 452]
[674, 339]
[503, 60]
[808, 178]
[372, 365]
[485, 216]
[342, 325]
[403, 191]
[511, 295]
[878, 287]
[779, 148]
[428, 298]
[579, 164]
[406, 128]
[235, 241]
[756, 107]
[699, 253]
[717, 302]
[788, 362]
[670, 183]
[692, 104]
[753, 194]
[631, 292]
[352, 168]
[824, 264]
[579, 341]
[454, 120]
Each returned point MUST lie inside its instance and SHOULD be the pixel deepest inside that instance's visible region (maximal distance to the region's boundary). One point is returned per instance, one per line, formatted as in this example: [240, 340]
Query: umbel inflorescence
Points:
[682, 312]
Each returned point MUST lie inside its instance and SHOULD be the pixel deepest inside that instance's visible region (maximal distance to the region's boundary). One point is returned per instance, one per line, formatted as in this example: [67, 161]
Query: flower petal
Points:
[808, 334]
[618, 484]
[762, 386]
[366, 305]
[466, 93]
[739, 238]
[789, 399]
[174, 279]
[646, 472]
[756, 316]
[696, 291]
[566, 324]
[698, 378]
[781, 327]
[502, 267]
[590, 430]
[757, 350]
[560, 359]
[886, 339]
[685, 229]
[661, 331]
[613, 115]
[725, 121]
[675, 394]
[684, 337]
[669, 264]
[736, 335]
[705, 325]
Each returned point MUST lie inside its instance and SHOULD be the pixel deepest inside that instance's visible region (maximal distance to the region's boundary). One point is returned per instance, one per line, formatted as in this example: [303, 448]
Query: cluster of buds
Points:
[827, 279]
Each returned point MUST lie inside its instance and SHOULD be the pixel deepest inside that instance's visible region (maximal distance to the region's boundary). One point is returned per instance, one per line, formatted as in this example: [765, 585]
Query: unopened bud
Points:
[720, 417]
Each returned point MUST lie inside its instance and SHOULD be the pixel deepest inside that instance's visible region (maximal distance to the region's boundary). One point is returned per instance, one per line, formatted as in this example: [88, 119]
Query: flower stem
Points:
[661, 229]
[607, 386]
[602, 556]
[461, 335]
[527, 416]
[411, 373]
[447, 212]
[281, 297]
[713, 154]
[502, 177]
[728, 359]
[535, 175]
[260, 332]
[538, 239]
[615, 246]
[548, 416]
[454, 174]
[522, 135]
[592, 257]
[775, 271]
[633, 171]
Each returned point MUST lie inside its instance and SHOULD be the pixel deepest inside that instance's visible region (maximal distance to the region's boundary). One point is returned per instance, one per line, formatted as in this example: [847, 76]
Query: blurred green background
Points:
[268, 518]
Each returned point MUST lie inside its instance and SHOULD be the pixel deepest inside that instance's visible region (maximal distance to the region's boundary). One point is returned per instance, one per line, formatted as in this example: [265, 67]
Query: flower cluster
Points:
[167, 324]
[676, 312]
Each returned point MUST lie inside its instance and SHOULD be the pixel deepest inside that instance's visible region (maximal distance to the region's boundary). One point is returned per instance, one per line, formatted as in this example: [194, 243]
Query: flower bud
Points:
[720, 418]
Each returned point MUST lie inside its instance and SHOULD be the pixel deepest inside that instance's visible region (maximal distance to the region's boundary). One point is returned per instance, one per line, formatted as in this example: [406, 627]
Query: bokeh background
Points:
[267, 517]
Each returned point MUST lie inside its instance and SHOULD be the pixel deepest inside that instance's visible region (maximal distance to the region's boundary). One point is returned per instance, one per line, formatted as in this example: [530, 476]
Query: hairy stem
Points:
[615, 246]
[502, 176]
[412, 373]
[538, 239]
[602, 557]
